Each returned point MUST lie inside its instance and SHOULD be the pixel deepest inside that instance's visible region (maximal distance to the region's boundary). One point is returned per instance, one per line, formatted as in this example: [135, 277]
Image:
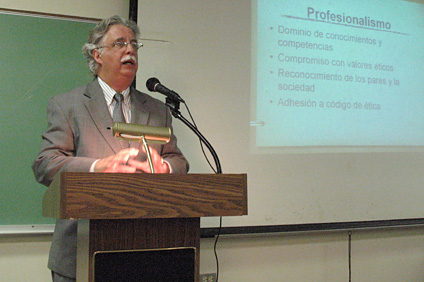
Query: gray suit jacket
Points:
[76, 136]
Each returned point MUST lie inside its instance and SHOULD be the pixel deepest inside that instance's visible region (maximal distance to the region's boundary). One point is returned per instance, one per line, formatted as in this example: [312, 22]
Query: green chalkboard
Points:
[40, 57]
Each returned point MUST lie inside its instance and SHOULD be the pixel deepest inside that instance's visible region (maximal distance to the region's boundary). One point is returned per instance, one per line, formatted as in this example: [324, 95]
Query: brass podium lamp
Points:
[142, 133]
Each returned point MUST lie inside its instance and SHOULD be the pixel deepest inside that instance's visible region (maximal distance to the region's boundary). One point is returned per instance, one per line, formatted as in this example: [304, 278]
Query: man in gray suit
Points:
[77, 138]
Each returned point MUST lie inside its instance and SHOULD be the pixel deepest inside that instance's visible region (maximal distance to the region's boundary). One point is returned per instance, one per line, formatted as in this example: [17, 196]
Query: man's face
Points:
[117, 65]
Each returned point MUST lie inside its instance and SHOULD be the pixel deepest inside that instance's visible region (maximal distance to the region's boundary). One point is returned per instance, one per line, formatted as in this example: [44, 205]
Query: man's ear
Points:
[97, 56]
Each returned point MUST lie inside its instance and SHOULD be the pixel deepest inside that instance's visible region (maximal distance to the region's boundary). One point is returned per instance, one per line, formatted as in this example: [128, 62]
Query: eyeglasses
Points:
[120, 44]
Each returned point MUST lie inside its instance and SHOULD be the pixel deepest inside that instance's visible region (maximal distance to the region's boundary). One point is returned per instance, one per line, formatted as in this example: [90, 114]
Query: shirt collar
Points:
[109, 92]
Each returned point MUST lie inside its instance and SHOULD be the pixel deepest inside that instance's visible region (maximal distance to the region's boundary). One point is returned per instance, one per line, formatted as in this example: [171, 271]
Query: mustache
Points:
[129, 58]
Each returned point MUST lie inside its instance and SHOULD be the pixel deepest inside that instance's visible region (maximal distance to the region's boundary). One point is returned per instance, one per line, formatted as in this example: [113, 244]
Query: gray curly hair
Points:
[96, 36]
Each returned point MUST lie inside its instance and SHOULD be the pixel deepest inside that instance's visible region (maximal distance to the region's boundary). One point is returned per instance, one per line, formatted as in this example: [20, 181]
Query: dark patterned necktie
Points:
[118, 115]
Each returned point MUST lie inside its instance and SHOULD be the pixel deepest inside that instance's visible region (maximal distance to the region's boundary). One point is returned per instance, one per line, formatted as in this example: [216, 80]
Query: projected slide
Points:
[338, 73]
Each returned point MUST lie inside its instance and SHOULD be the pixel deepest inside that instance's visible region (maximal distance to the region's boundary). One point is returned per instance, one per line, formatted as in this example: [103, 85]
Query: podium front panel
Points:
[173, 264]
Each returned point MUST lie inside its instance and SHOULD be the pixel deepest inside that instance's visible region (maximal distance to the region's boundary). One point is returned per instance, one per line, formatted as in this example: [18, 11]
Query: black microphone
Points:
[153, 84]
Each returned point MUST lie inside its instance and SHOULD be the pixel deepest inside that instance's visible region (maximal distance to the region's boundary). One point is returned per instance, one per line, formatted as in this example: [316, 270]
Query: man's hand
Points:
[123, 162]
[159, 165]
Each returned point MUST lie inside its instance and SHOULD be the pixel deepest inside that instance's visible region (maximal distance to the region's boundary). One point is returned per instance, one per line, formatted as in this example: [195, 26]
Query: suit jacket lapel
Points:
[96, 106]
[139, 111]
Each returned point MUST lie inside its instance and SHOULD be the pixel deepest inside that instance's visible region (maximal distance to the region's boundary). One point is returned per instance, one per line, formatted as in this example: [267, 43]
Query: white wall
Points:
[206, 58]
[385, 255]
[378, 255]
[391, 255]
[24, 258]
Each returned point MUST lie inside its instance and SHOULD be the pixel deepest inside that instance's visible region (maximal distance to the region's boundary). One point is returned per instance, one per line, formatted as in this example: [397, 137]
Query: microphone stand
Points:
[174, 106]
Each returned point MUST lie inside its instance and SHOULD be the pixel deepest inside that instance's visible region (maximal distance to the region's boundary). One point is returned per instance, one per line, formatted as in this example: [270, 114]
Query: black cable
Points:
[215, 250]
[174, 106]
[216, 171]
[350, 255]
[201, 143]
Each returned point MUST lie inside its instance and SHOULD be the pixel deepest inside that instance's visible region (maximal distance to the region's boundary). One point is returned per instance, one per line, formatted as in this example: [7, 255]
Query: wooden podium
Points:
[121, 212]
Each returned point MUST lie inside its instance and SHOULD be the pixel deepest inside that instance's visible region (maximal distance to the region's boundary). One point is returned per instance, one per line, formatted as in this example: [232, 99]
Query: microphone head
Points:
[151, 84]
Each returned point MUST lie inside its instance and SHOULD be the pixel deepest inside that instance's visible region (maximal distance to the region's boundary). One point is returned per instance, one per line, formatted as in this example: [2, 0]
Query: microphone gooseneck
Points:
[173, 102]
